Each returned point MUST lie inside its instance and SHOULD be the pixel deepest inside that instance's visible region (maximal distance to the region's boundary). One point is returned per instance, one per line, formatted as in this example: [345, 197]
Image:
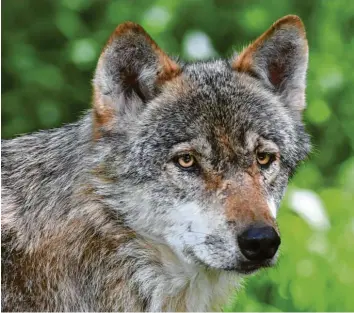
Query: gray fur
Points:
[103, 224]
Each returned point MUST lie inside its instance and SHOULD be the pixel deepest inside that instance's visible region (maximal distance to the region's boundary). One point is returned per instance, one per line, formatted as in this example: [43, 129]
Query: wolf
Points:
[164, 195]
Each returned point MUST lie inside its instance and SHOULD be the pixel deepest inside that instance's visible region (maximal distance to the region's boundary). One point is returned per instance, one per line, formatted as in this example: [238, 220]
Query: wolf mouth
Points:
[249, 267]
[243, 267]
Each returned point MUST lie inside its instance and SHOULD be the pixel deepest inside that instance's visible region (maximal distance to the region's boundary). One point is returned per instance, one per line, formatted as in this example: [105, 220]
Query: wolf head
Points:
[198, 156]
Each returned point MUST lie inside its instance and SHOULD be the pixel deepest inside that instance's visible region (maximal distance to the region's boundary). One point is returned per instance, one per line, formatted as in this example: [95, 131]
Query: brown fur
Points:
[103, 115]
[245, 203]
[76, 247]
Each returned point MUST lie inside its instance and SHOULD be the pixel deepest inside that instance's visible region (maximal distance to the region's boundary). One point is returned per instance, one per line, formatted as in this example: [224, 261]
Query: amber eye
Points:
[264, 158]
[186, 160]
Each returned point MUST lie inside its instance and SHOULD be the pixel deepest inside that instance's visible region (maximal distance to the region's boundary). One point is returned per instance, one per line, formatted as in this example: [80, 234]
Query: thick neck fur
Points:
[73, 252]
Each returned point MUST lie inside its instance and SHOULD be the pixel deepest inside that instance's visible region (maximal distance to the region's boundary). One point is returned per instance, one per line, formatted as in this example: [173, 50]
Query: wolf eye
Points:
[186, 160]
[264, 158]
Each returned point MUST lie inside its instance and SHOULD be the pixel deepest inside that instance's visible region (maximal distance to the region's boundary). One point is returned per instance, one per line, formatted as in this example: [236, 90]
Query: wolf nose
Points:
[259, 243]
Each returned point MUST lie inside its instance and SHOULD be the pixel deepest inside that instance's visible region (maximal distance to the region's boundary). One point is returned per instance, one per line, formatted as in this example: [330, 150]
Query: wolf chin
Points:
[164, 195]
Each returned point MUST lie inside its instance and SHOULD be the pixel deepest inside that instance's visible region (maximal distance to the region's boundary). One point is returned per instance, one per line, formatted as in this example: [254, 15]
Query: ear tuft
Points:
[131, 71]
[279, 57]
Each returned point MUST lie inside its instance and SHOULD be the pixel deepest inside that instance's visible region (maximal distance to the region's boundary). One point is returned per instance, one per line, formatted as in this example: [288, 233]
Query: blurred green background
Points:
[49, 51]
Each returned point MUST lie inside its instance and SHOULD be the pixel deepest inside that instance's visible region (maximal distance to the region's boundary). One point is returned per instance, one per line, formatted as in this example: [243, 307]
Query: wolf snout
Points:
[259, 242]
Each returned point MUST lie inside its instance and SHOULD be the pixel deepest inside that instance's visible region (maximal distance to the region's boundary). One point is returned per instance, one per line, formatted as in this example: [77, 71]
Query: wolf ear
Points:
[279, 57]
[130, 72]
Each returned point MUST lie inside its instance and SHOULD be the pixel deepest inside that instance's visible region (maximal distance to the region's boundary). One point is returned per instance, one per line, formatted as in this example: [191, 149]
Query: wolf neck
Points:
[175, 285]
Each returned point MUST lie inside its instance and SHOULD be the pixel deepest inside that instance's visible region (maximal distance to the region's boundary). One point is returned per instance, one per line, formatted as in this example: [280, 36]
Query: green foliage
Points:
[49, 54]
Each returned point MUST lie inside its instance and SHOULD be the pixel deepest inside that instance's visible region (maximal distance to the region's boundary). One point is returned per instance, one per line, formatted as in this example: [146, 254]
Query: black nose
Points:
[259, 243]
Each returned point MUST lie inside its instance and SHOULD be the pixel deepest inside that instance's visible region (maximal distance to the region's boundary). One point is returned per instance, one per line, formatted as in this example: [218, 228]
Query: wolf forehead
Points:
[211, 100]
